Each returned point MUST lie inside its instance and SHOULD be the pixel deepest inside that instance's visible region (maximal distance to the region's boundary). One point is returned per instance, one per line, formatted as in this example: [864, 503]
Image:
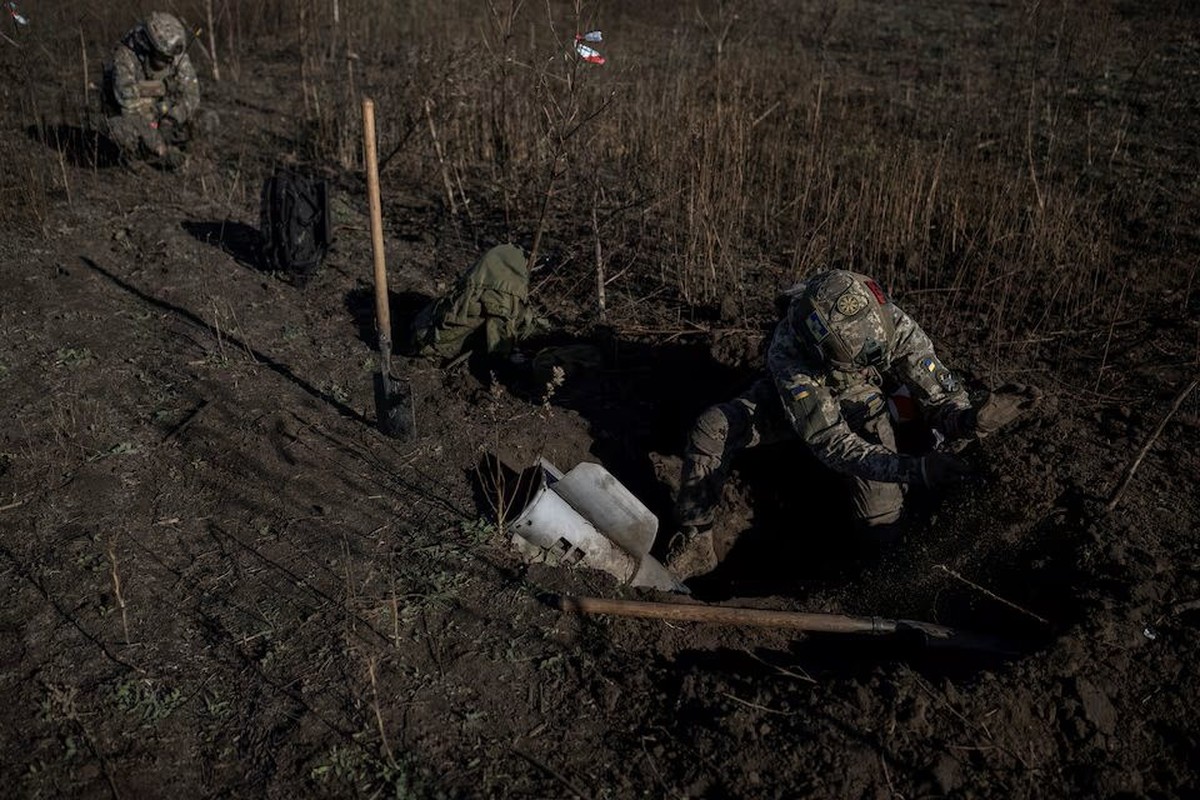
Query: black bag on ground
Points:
[296, 227]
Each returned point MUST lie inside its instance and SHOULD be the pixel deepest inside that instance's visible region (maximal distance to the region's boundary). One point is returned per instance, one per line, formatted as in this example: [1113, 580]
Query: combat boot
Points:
[690, 553]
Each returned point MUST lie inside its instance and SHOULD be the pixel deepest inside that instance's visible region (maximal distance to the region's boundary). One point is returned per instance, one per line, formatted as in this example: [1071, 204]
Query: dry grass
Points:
[965, 162]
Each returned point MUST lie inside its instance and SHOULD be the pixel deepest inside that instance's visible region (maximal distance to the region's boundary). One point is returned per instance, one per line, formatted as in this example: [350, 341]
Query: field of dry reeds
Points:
[723, 150]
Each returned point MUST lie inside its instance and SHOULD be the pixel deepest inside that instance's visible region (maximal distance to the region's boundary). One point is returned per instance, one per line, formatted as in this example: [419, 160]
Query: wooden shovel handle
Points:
[383, 317]
[727, 615]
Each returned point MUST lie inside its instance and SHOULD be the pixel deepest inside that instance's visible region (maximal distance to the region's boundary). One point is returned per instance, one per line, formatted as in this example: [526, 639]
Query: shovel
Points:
[393, 400]
[930, 634]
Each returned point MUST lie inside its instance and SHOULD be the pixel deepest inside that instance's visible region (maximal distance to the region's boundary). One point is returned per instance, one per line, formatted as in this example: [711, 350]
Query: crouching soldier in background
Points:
[151, 94]
[834, 357]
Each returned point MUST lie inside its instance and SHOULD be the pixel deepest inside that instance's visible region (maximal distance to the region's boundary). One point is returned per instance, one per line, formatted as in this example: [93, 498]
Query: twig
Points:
[1108, 340]
[887, 775]
[765, 114]
[116, 581]
[104, 765]
[757, 707]
[12, 505]
[600, 282]
[387, 749]
[974, 726]
[437, 147]
[575, 790]
[187, 421]
[1037, 188]
[1133, 465]
[62, 168]
[83, 58]
[990, 594]
[654, 767]
[212, 42]
[798, 676]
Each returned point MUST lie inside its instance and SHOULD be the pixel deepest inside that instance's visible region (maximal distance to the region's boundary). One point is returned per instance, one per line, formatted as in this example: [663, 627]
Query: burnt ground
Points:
[218, 579]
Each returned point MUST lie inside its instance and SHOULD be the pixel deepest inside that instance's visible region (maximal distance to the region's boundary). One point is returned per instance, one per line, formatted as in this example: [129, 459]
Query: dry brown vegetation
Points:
[722, 141]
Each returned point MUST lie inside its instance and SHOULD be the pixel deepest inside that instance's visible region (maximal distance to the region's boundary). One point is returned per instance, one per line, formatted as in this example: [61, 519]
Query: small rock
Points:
[1097, 707]
[947, 773]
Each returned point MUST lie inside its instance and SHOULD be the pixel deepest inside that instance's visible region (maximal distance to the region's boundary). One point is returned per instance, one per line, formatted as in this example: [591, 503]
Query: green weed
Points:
[141, 698]
[478, 531]
[217, 706]
[118, 449]
[370, 775]
[338, 392]
[71, 357]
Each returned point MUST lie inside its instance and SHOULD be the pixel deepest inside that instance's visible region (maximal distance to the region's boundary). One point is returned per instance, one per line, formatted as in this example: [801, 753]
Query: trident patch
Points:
[850, 303]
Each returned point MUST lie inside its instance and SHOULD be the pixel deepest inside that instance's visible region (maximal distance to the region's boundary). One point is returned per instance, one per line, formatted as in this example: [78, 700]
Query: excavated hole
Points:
[784, 529]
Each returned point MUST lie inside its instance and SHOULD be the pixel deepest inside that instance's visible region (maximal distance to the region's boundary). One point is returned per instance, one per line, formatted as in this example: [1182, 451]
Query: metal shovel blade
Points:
[393, 406]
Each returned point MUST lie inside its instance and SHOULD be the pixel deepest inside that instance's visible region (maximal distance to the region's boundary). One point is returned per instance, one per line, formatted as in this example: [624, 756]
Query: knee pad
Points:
[878, 504]
[882, 520]
[710, 432]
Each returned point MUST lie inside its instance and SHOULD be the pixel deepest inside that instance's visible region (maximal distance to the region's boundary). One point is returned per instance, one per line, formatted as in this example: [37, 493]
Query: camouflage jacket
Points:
[131, 68]
[827, 406]
[493, 296]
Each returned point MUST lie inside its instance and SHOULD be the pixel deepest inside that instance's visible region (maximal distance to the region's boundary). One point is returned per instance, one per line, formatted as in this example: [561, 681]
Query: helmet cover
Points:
[846, 318]
[165, 34]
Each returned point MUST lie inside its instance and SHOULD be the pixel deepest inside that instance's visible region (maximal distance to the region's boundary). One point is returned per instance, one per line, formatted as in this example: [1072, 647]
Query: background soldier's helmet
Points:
[846, 319]
[165, 34]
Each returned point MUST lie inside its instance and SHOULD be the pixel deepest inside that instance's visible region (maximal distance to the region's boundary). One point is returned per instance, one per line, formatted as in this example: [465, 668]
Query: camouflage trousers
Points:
[138, 137]
[756, 417]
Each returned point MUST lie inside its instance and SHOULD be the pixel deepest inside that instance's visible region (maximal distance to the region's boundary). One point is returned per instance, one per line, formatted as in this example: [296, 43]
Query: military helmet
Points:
[846, 318]
[165, 34]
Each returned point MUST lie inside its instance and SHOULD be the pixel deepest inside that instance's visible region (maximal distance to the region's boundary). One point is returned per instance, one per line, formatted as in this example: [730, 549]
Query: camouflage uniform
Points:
[838, 407]
[152, 95]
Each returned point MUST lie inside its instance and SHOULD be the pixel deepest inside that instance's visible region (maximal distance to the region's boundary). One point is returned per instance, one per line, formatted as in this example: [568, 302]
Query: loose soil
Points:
[220, 580]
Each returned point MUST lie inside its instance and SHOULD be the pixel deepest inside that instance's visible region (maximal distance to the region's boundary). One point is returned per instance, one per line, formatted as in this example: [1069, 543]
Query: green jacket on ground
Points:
[487, 309]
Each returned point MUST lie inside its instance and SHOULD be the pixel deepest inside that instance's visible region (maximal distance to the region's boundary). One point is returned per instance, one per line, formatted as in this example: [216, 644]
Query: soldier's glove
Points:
[943, 469]
[1003, 406]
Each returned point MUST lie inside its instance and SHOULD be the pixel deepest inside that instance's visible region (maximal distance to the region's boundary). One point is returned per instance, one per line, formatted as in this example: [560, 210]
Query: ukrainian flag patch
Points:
[800, 391]
[816, 327]
[929, 364]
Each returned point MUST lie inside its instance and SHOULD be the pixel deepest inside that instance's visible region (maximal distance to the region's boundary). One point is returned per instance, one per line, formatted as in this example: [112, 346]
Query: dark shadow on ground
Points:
[793, 523]
[853, 655]
[402, 307]
[280, 369]
[82, 147]
[638, 399]
[241, 241]
[785, 527]
[799, 535]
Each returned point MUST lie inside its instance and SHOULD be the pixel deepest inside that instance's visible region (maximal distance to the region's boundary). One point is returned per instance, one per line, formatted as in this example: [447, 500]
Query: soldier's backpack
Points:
[296, 226]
